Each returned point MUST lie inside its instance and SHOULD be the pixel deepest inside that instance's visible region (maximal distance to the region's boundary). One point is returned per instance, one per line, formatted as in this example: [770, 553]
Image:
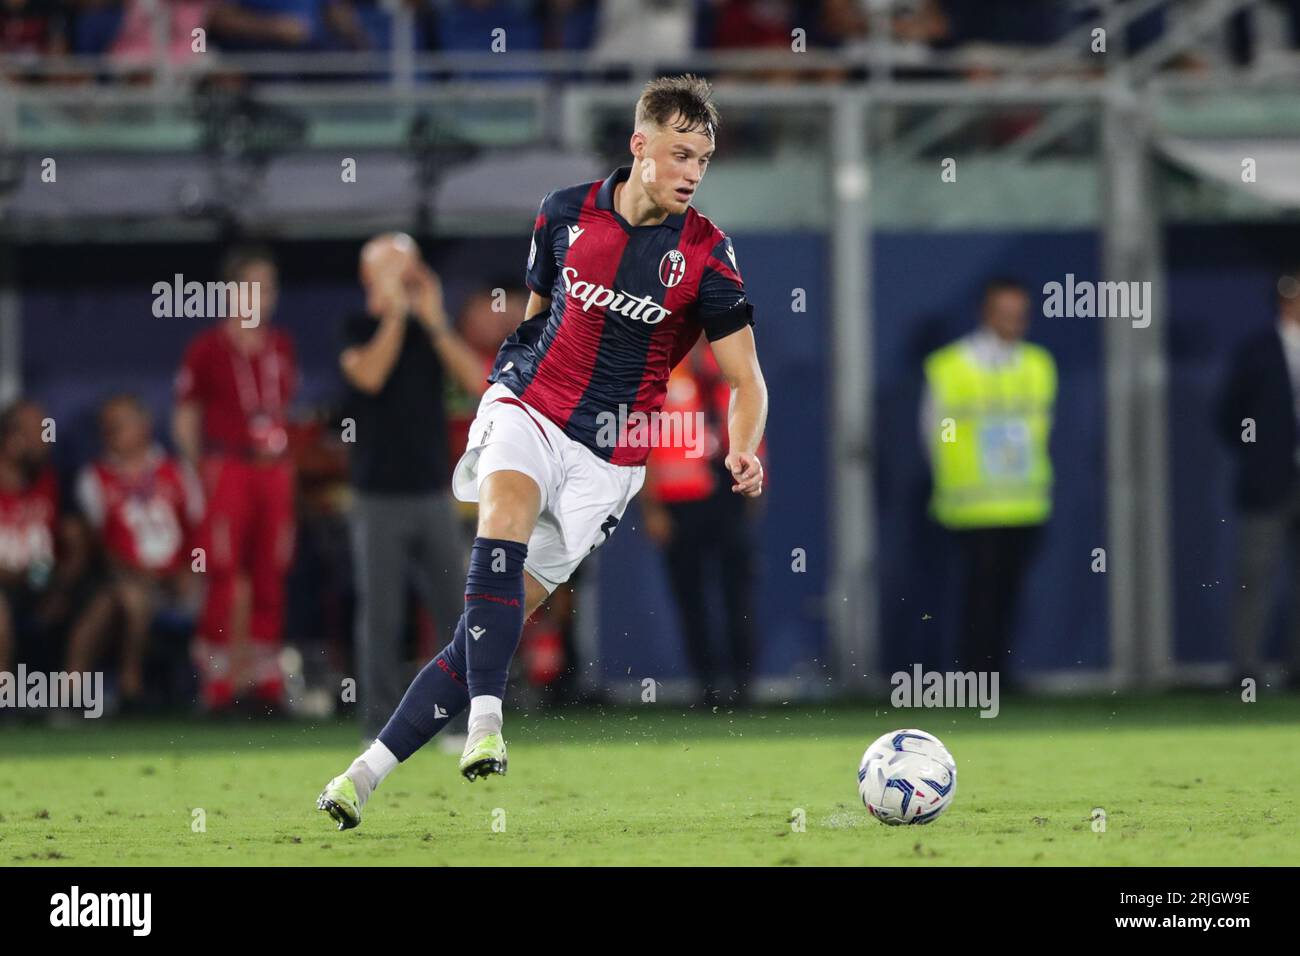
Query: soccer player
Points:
[624, 277]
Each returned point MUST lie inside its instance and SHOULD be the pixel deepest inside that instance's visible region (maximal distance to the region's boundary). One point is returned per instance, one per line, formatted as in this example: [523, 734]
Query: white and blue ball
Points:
[907, 777]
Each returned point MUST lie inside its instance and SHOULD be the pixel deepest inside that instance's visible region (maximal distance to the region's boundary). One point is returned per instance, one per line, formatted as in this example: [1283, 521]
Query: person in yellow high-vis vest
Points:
[986, 418]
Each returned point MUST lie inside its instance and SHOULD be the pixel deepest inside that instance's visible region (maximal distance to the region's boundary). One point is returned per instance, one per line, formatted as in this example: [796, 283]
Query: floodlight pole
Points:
[852, 604]
[1138, 551]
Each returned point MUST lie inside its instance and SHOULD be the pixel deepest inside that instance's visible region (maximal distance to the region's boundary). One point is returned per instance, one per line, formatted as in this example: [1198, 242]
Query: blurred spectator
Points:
[986, 417]
[32, 27]
[634, 30]
[469, 25]
[320, 601]
[488, 316]
[1244, 31]
[1144, 30]
[571, 24]
[377, 19]
[764, 25]
[134, 42]
[43, 555]
[144, 510]
[232, 394]
[919, 22]
[753, 24]
[704, 528]
[1258, 418]
[395, 358]
[29, 511]
[270, 25]
[29, 30]
[1015, 23]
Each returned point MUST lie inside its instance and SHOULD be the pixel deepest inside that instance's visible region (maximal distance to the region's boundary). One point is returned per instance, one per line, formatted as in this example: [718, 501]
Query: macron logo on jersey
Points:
[574, 233]
[592, 296]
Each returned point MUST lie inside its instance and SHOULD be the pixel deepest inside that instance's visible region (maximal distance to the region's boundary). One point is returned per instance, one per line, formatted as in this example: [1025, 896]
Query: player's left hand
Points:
[748, 472]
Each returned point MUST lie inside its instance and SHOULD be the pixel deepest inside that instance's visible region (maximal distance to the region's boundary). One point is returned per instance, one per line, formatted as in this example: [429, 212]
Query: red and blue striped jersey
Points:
[627, 304]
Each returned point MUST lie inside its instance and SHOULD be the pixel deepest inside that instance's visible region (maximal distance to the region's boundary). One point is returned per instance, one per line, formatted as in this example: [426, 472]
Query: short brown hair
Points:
[686, 98]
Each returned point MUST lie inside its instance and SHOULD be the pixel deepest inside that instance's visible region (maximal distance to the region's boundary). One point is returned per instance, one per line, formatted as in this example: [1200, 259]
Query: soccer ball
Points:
[907, 776]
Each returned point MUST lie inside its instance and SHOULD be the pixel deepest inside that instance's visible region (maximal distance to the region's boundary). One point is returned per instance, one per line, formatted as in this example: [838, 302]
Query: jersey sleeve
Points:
[723, 306]
[540, 274]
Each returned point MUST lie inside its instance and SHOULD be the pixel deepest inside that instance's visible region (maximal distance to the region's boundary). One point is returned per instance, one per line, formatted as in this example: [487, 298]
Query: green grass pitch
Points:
[1184, 779]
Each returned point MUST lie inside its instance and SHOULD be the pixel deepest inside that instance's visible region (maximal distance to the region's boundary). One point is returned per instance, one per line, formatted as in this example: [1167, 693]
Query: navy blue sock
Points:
[494, 613]
[437, 694]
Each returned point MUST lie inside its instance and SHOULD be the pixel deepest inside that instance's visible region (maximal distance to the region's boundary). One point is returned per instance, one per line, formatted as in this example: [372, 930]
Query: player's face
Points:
[673, 164]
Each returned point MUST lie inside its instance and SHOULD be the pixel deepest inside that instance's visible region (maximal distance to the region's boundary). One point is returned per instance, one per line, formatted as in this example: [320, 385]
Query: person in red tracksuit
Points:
[232, 395]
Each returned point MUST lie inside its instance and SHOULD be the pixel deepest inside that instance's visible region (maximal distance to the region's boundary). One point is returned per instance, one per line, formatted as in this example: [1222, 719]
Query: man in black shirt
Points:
[395, 360]
[1259, 419]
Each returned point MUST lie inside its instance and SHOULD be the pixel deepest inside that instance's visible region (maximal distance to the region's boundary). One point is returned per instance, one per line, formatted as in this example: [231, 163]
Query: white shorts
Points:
[583, 496]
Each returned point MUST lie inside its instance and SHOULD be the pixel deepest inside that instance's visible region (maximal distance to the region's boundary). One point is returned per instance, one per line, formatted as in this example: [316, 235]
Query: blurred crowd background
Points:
[897, 176]
[613, 32]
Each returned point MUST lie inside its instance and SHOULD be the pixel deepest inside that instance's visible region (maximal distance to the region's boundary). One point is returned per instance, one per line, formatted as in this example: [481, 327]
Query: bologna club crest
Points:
[672, 268]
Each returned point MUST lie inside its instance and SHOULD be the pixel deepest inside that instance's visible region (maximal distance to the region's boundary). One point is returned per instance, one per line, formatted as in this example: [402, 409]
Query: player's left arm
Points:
[737, 359]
